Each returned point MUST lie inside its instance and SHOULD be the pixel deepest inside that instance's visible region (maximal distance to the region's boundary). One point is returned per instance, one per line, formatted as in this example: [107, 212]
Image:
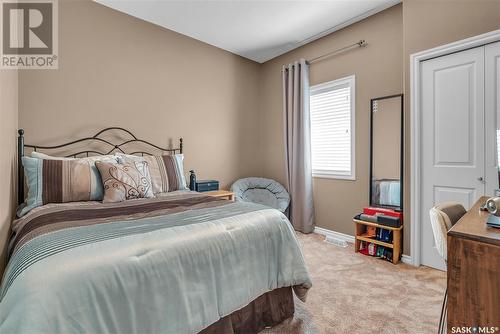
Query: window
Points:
[332, 129]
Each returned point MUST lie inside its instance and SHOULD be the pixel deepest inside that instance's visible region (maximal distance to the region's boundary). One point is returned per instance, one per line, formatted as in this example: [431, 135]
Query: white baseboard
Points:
[334, 235]
[407, 259]
[349, 238]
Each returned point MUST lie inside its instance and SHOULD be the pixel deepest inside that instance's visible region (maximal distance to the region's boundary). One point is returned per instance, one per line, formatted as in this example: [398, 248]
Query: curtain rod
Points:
[359, 44]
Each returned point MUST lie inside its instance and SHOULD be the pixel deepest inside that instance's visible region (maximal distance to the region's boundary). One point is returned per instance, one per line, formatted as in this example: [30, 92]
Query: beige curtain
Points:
[298, 145]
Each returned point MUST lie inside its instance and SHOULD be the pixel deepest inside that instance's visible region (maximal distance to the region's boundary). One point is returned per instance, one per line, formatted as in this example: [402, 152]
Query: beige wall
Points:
[430, 23]
[379, 72]
[228, 109]
[381, 69]
[8, 132]
[115, 70]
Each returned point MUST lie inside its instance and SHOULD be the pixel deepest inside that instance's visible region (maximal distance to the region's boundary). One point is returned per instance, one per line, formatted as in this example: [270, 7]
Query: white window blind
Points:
[332, 124]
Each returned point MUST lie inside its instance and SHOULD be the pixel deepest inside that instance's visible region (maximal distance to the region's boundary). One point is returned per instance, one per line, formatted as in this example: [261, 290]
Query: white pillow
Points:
[107, 158]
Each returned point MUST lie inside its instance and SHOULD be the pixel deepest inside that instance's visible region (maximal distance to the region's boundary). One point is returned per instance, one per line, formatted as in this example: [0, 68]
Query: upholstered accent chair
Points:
[443, 217]
[262, 191]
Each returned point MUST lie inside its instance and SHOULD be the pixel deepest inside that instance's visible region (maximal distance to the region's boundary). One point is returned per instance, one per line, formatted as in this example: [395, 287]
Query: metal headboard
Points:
[97, 138]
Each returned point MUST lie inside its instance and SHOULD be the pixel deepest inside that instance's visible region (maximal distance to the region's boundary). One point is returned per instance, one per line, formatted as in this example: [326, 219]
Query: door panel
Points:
[454, 116]
[492, 112]
[452, 128]
[464, 196]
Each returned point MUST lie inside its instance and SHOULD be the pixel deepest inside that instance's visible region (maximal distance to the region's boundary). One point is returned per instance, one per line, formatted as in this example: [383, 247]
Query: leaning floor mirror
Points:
[386, 152]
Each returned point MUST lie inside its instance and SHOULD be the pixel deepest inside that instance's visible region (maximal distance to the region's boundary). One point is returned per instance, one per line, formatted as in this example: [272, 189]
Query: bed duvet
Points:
[171, 264]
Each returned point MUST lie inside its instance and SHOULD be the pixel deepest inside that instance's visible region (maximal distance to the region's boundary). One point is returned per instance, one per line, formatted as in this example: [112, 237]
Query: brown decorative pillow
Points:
[125, 181]
[167, 171]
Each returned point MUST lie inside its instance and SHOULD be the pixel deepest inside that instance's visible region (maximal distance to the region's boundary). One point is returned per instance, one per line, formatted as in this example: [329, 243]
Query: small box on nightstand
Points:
[206, 185]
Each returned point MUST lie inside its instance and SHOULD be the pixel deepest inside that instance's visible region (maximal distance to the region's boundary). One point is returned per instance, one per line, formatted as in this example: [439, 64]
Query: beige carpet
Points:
[356, 294]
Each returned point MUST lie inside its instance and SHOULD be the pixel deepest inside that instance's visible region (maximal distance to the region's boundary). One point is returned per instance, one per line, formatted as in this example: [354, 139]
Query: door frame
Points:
[415, 128]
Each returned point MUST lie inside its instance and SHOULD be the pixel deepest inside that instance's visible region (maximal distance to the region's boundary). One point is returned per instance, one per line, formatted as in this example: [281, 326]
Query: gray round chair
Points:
[263, 191]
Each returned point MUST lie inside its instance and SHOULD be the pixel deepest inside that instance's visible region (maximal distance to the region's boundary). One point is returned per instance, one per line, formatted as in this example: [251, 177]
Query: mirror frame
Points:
[401, 158]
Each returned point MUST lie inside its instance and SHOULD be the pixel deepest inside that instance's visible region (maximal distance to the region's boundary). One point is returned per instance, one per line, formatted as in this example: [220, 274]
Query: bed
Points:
[180, 262]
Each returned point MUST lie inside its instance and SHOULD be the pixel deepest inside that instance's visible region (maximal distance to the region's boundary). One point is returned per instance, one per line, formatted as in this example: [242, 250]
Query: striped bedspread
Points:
[172, 264]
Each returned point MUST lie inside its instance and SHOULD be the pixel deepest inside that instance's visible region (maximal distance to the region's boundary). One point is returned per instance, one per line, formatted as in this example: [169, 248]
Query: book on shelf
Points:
[384, 211]
[371, 249]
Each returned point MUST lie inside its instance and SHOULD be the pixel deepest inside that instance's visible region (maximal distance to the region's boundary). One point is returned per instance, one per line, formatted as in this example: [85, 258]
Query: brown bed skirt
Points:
[268, 310]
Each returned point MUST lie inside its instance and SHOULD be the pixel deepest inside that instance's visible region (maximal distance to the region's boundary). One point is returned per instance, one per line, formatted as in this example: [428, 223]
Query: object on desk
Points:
[207, 185]
[192, 180]
[493, 205]
[493, 221]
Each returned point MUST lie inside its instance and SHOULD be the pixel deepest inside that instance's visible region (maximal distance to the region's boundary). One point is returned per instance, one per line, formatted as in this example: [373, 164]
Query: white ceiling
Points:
[258, 30]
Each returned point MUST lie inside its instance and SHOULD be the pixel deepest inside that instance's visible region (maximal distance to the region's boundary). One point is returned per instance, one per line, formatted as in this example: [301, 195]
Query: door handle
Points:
[480, 179]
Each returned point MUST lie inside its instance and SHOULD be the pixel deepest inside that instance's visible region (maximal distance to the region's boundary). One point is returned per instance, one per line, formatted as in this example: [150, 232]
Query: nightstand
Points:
[229, 195]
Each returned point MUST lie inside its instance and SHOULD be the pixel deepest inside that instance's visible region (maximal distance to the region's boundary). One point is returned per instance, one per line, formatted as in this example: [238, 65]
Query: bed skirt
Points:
[268, 310]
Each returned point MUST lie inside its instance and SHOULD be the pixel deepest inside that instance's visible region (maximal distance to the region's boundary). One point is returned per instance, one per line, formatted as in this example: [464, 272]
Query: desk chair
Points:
[443, 217]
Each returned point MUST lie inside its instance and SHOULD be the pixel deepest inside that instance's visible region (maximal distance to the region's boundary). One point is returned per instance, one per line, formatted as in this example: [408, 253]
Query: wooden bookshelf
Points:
[360, 236]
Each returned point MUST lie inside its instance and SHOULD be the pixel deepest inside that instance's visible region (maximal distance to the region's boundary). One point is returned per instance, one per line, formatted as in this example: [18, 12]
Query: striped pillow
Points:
[60, 181]
[167, 171]
[97, 188]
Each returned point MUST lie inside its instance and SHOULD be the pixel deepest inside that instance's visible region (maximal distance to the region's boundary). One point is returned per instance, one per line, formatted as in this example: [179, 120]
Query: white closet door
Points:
[453, 153]
[492, 114]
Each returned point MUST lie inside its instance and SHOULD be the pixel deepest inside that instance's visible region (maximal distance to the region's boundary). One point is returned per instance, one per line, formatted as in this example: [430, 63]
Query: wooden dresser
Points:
[474, 273]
